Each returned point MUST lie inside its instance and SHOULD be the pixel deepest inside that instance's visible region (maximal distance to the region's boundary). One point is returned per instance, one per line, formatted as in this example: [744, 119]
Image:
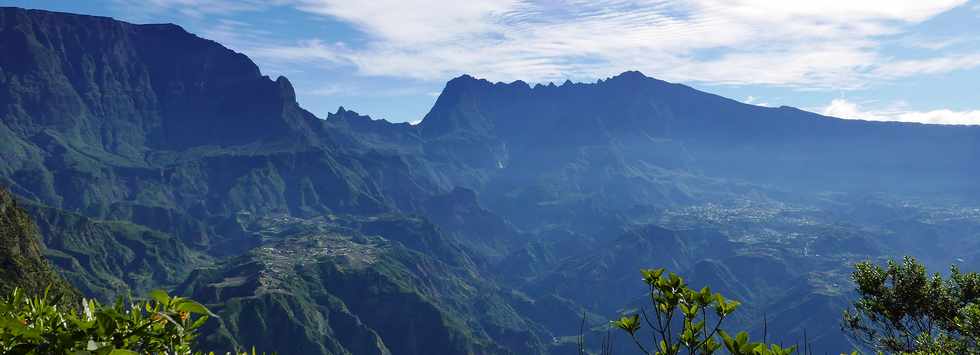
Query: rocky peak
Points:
[286, 90]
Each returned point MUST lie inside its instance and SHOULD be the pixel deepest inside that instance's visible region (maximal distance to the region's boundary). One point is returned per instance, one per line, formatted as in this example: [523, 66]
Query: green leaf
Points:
[651, 276]
[729, 342]
[122, 352]
[12, 325]
[628, 323]
[199, 322]
[171, 320]
[742, 338]
[193, 307]
[160, 296]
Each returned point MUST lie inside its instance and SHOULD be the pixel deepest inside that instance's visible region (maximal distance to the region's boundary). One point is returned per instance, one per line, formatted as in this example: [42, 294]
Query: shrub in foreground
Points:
[688, 321]
[903, 309]
[40, 325]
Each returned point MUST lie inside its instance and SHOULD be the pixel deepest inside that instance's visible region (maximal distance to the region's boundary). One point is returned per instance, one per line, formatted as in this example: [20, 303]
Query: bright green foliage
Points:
[740, 345]
[163, 325]
[902, 309]
[689, 320]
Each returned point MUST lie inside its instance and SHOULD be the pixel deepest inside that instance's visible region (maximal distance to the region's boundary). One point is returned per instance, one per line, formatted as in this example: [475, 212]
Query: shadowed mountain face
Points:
[22, 262]
[153, 158]
[640, 120]
[150, 157]
[124, 89]
[129, 121]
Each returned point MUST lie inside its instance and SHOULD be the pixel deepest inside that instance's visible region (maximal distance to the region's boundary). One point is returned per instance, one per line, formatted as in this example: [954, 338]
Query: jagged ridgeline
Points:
[152, 158]
[145, 152]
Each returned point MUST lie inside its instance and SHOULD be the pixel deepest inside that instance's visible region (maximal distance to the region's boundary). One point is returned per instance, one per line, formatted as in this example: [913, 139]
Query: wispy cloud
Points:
[935, 65]
[828, 45]
[313, 50]
[193, 8]
[842, 108]
[354, 89]
[814, 46]
[329, 90]
[417, 21]
[752, 100]
[933, 43]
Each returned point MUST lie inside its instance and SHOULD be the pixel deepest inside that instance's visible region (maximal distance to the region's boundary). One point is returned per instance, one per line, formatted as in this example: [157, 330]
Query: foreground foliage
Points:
[38, 325]
[902, 309]
[688, 320]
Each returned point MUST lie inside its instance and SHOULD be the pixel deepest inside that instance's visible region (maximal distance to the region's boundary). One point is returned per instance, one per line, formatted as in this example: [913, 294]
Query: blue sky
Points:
[866, 59]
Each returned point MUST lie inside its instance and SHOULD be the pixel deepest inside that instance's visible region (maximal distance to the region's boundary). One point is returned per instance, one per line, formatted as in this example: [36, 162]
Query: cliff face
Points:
[150, 157]
[120, 121]
[123, 88]
[631, 120]
[22, 261]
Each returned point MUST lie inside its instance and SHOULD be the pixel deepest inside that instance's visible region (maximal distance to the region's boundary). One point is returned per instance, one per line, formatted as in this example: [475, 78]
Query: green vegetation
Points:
[152, 158]
[22, 263]
[41, 325]
[317, 288]
[688, 320]
[902, 309]
[38, 325]
[106, 259]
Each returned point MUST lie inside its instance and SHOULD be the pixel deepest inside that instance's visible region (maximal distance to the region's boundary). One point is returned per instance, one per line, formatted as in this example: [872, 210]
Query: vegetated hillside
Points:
[122, 121]
[362, 286]
[115, 258]
[144, 150]
[22, 262]
[151, 157]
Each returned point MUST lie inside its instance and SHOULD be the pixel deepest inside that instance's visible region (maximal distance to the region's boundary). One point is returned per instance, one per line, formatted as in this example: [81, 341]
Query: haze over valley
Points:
[512, 218]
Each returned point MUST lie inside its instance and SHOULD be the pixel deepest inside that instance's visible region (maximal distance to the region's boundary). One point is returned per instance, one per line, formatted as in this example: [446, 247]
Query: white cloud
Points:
[330, 90]
[304, 51]
[144, 9]
[752, 100]
[234, 33]
[943, 116]
[830, 44]
[933, 43]
[418, 21]
[348, 88]
[842, 108]
[935, 65]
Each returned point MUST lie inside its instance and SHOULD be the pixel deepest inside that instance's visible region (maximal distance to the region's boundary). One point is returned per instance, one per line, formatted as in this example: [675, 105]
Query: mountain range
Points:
[149, 157]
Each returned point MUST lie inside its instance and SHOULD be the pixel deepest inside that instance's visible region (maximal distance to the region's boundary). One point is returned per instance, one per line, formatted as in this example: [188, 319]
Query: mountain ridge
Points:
[713, 130]
[153, 158]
